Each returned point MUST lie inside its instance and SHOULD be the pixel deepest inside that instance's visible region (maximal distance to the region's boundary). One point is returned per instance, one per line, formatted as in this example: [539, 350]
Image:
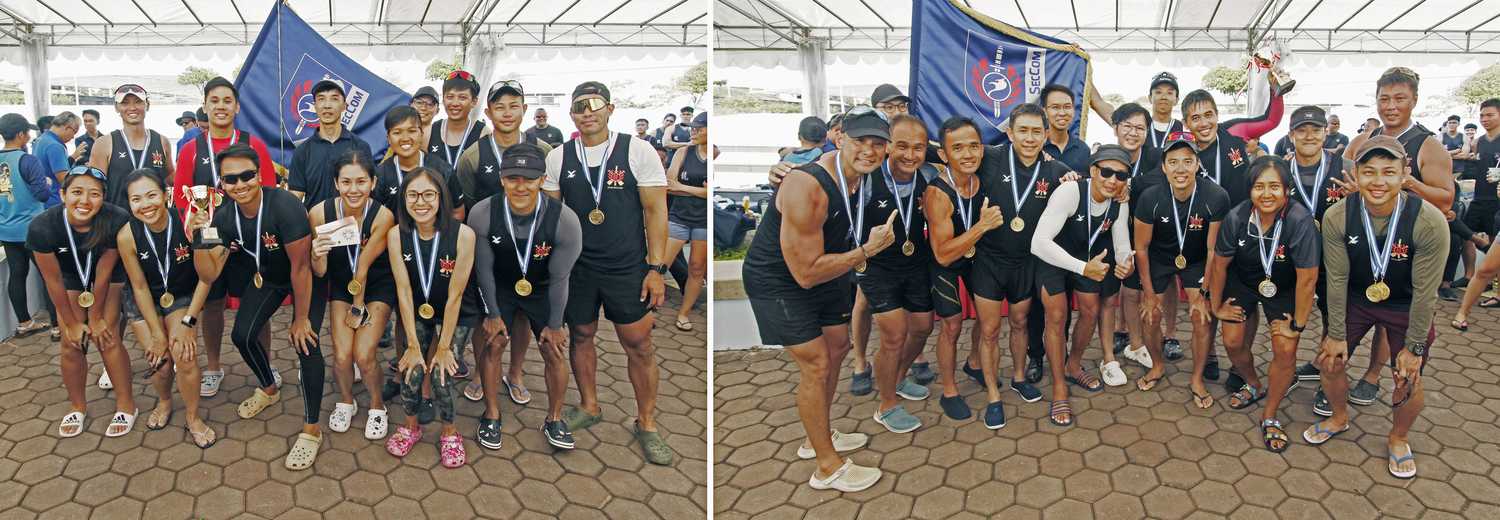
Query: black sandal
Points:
[1061, 408]
[1270, 430]
[1245, 397]
[1146, 384]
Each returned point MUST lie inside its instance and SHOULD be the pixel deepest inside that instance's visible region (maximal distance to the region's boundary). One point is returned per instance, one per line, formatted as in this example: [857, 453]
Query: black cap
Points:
[219, 81]
[503, 86]
[426, 91]
[1165, 77]
[1110, 152]
[523, 160]
[200, 115]
[12, 124]
[1176, 139]
[590, 87]
[887, 92]
[1309, 114]
[812, 129]
[328, 84]
[864, 121]
[699, 121]
[188, 115]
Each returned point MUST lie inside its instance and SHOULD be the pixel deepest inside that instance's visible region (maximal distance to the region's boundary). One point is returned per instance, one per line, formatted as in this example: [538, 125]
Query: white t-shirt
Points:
[644, 163]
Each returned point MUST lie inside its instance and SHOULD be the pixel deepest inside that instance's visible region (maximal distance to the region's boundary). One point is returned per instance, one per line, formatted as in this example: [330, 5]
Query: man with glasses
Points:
[450, 137]
[426, 103]
[617, 184]
[49, 146]
[1132, 125]
[889, 100]
[544, 132]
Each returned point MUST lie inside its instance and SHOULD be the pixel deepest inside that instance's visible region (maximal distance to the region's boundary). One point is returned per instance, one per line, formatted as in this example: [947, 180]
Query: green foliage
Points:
[693, 82]
[1227, 81]
[753, 105]
[438, 70]
[196, 76]
[1483, 85]
[737, 253]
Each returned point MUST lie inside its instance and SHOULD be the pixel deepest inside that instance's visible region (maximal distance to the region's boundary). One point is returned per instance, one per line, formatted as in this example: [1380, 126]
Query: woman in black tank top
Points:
[687, 180]
[362, 291]
[431, 256]
[157, 255]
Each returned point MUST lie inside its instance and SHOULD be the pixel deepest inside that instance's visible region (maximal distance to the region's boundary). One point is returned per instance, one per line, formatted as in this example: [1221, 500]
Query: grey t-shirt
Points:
[568, 243]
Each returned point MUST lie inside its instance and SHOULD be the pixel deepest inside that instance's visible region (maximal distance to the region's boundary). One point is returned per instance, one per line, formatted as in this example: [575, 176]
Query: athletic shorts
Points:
[383, 291]
[793, 316]
[1161, 277]
[619, 293]
[536, 311]
[128, 309]
[946, 298]
[1360, 319]
[1481, 216]
[1056, 280]
[685, 232]
[889, 289]
[1284, 304]
[1003, 279]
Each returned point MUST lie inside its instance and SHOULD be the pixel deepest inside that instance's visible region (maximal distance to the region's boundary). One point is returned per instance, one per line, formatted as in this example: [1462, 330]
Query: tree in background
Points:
[693, 82]
[1483, 85]
[196, 76]
[1228, 81]
[438, 70]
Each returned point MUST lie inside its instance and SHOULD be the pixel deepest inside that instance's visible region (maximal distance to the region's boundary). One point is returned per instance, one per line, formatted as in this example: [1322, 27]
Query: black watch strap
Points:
[1298, 326]
[190, 320]
[659, 268]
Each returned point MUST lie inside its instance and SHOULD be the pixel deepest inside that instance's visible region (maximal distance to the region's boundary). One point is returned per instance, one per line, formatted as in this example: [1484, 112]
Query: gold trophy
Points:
[206, 237]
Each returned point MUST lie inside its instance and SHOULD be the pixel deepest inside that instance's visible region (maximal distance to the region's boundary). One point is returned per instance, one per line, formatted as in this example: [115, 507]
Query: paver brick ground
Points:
[159, 475]
[1131, 454]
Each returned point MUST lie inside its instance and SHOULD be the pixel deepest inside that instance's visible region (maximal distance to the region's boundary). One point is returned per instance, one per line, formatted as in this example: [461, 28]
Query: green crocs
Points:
[655, 448]
[577, 419]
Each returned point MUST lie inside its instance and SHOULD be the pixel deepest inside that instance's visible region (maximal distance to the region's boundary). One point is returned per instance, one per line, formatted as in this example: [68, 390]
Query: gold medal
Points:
[596, 217]
[86, 299]
[1016, 224]
[166, 300]
[970, 253]
[523, 287]
[1377, 292]
[259, 281]
[908, 248]
[355, 287]
[1181, 262]
[1267, 288]
[426, 311]
[860, 268]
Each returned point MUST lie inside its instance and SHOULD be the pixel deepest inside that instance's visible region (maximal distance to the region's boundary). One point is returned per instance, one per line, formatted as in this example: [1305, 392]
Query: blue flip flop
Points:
[1317, 429]
[1396, 461]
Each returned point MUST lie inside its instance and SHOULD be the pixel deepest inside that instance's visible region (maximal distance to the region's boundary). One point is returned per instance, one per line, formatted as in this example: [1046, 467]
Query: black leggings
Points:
[18, 258]
[256, 308]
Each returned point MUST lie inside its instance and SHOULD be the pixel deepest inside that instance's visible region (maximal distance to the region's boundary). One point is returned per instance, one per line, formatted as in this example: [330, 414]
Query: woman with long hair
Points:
[431, 255]
[687, 218]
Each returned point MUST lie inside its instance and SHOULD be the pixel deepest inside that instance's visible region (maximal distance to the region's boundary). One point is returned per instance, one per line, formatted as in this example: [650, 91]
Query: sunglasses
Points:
[89, 171]
[461, 74]
[588, 105]
[236, 178]
[1110, 173]
[507, 83]
[130, 88]
[1181, 136]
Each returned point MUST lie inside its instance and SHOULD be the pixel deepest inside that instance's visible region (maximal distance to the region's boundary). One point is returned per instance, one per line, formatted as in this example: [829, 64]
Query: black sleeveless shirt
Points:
[882, 202]
[339, 261]
[178, 252]
[619, 244]
[1398, 273]
[506, 245]
[1323, 195]
[119, 166]
[436, 145]
[487, 177]
[442, 269]
[764, 263]
[1411, 140]
[693, 211]
[1074, 237]
[957, 217]
[1238, 232]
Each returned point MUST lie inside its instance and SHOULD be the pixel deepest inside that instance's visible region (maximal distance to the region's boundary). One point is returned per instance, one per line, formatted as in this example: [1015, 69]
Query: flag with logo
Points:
[967, 64]
[276, 82]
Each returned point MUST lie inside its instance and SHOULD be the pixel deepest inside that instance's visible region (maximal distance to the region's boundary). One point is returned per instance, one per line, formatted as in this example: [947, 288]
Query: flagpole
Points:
[280, 84]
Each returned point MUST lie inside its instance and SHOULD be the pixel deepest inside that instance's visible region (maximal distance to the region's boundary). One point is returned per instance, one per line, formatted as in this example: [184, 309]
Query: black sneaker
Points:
[1172, 349]
[994, 415]
[1320, 405]
[426, 412]
[1308, 372]
[922, 373]
[1122, 340]
[1364, 393]
[1448, 294]
[1211, 368]
[1033, 370]
[977, 374]
[489, 433]
[955, 408]
[1027, 391]
[1234, 381]
[557, 434]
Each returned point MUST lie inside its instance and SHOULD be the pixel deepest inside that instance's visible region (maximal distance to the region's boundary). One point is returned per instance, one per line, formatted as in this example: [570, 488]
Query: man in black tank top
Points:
[460, 92]
[617, 184]
[132, 147]
[797, 278]
[1387, 247]
[478, 169]
[1485, 170]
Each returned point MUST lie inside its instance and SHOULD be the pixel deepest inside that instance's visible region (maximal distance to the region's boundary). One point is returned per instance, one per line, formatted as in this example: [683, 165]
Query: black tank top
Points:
[436, 145]
[764, 261]
[693, 211]
[881, 204]
[339, 261]
[203, 167]
[442, 269]
[120, 165]
[1246, 261]
[506, 245]
[1398, 273]
[957, 217]
[1411, 140]
[1075, 234]
[1156, 140]
[619, 244]
[182, 277]
[1323, 195]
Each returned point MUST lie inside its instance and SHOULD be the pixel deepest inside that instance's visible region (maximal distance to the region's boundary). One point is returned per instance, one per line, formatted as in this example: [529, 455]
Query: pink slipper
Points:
[451, 448]
[402, 442]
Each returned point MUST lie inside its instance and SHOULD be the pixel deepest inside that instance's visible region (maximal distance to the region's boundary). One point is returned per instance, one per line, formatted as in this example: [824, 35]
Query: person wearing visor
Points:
[617, 183]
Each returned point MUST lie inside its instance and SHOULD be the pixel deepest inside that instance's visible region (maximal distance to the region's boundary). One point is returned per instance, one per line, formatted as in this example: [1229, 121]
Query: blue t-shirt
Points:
[189, 135]
[22, 192]
[52, 152]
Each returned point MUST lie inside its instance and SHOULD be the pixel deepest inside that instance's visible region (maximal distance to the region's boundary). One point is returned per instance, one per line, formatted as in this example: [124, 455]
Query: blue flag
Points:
[276, 81]
[964, 63]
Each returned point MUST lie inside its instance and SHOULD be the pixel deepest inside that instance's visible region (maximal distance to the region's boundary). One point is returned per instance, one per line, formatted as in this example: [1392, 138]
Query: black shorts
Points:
[1162, 274]
[382, 290]
[1003, 279]
[1481, 216]
[1056, 280]
[1283, 305]
[536, 310]
[888, 289]
[793, 316]
[946, 294]
[618, 292]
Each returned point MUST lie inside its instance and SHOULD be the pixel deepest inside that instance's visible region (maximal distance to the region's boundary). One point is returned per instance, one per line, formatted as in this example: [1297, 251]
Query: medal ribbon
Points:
[856, 222]
[1266, 256]
[1310, 198]
[1380, 257]
[1020, 198]
[965, 206]
[424, 275]
[523, 257]
[138, 163]
[1088, 213]
[259, 217]
[213, 161]
[1177, 225]
[401, 174]
[163, 262]
[595, 186]
[354, 258]
[449, 153]
[911, 198]
[83, 273]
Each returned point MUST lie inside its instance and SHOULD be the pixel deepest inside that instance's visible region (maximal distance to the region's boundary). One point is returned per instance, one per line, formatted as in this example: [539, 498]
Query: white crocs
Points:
[1111, 374]
[842, 442]
[1139, 355]
[849, 478]
[375, 424]
[210, 385]
[343, 414]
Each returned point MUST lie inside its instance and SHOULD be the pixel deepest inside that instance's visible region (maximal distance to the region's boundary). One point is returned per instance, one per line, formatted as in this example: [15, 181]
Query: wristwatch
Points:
[1418, 348]
[190, 321]
[659, 268]
[1297, 327]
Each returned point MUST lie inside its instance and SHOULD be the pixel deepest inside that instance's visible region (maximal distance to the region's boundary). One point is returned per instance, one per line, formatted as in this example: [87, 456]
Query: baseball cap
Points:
[200, 115]
[1110, 152]
[188, 115]
[1165, 77]
[461, 79]
[812, 129]
[865, 121]
[523, 160]
[426, 91]
[1176, 139]
[591, 87]
[328, 84]
[699, 121]
[131, 89]
[1308, 114]
[1385, 143]
[500, 87]
[888, 92]
[219, 81]
[12, 124]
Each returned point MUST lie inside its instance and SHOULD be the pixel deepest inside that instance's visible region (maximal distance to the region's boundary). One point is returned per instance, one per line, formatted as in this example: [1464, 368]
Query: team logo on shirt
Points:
[541, 251]
[182, 253]
[1235, 157]
[145, 255]
[156, 159]
[1195, 222]
[1104, 226]
[269, 241]
[1334, 194]
[1042, 187]
[446, 265]
[1281, 253]
[882, 203]
[615, 177]
[1400, 251]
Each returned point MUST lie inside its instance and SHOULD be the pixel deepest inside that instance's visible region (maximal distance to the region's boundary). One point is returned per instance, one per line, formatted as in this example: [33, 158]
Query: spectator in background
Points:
[193, 125]
[1336, 142]
[1370, 125]
[49, 146]
[187, 121]
[811, 133]
[642, 132]
[680, 137]
[44, 122]
[83, 143]
[835, 131]
[26, 187]
[1284, 145]
[542, 131]
[1453, 141]
[426, 102]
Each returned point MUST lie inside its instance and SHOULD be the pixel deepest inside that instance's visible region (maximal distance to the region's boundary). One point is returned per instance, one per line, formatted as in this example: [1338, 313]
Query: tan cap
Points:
[1380, 142]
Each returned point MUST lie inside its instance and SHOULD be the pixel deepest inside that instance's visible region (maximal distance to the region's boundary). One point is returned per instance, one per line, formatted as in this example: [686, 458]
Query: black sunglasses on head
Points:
[236, 178]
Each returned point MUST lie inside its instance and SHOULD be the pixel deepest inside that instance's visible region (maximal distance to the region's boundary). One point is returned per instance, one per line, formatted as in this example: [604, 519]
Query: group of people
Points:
[463, 234]
[1030, 227]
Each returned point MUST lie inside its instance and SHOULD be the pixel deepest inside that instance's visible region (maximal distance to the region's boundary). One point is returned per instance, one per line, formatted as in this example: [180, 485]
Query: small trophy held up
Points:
[207, 237]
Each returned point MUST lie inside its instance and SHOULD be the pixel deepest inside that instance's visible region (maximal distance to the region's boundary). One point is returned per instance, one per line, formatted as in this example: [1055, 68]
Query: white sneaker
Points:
[342, 414]
[357, 376]
[375, 424]
[849, 478]
[104, 382]
[1111, 373]
[1139, 355]
[842, 442]
[210, 385]
[276, 375]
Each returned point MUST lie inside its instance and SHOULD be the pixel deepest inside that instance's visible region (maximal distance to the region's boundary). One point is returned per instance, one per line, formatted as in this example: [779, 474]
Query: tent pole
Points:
[39, 89]
[814, 76]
